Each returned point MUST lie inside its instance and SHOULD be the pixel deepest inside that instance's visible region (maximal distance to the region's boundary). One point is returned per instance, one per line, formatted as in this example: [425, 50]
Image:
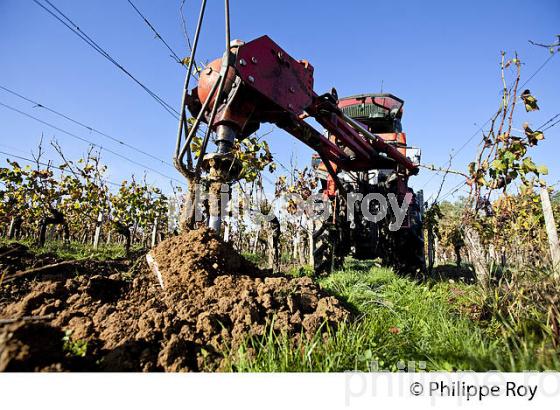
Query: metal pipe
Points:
[228, 39]
[225, 138]
[187, 146]
[194, 128]
[381, 145]
[223, 72]
[334, 176]
[215, 222]
[187, 77]
[222, 81]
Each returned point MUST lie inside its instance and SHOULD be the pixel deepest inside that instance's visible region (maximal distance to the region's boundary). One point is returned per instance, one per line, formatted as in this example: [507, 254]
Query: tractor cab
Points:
[381, 113]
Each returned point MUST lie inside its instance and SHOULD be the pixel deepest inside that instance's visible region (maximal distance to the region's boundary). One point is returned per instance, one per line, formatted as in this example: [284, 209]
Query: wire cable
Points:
[158, 36]
[550, 120]
[489, 119]
[39, 105]
[89, 142]
[66, 21]
[453, 190]
[64, 170]
[551, 125]
[537, 70]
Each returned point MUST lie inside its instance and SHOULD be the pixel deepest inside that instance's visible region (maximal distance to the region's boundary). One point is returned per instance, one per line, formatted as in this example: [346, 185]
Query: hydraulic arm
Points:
[265, 84]
[257, 82]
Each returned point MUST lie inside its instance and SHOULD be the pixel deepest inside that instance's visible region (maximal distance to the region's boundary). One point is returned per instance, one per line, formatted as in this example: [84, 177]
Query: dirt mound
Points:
[196, 257]
[212, 302]
[15, 257]
[31, 346]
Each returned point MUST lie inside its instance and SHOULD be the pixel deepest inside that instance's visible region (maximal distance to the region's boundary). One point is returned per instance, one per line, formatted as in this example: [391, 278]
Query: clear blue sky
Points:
[441, 57]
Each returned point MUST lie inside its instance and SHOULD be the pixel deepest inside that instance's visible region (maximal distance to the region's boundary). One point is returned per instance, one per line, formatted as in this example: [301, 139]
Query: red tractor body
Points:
[363, 150]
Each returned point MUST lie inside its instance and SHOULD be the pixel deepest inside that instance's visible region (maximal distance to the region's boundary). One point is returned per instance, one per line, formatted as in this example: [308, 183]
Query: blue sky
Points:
[441, 57]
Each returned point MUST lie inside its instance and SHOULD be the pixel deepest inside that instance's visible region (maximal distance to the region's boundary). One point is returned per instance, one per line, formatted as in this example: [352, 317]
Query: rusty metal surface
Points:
[267, 68]
[386, 101]
[274, 87]
[208, 78]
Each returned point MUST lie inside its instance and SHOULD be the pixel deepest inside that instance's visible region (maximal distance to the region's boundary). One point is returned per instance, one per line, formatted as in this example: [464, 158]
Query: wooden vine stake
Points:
[310, 230]
[97, 230]
[153, 241]
[431, 249]
[551, 231]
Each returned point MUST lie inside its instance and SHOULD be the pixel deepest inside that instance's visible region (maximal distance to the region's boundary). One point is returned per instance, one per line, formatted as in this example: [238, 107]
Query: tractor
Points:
[356, 234]
[362, 150]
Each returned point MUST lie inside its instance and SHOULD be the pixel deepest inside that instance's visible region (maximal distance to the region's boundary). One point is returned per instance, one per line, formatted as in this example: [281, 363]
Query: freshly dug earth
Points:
[116, 319]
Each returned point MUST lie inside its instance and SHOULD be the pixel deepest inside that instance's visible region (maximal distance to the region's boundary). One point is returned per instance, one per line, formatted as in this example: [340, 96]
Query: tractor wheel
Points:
[323, 250]
[325, 240]
[408, 245]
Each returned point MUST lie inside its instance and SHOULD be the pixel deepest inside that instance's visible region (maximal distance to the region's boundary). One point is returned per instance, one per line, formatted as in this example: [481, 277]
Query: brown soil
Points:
[212, 301]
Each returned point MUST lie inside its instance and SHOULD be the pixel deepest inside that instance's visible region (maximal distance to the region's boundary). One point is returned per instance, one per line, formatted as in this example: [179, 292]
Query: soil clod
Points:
[213, 300]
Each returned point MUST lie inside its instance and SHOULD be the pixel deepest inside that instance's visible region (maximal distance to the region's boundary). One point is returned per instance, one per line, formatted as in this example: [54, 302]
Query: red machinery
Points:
[265, 84]
[257, 82]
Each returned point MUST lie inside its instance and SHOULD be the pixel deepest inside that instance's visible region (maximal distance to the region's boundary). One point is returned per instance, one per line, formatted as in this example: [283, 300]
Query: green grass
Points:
[74, 250]
[257, 259]
[74, 347]
[399, 321]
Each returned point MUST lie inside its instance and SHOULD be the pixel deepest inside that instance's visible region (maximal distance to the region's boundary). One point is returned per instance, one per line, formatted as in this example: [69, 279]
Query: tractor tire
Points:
[408, 255]
[325, 258]
[323, 250]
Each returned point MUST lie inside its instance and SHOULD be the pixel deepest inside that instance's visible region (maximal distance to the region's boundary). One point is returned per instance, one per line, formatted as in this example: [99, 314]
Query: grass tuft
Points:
[401, 323]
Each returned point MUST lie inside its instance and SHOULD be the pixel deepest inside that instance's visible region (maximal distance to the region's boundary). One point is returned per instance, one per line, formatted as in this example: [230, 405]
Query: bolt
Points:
[280, 55]
[243, 62]
[292, 90]
[251, 79]
[254, 60]
[290, 106]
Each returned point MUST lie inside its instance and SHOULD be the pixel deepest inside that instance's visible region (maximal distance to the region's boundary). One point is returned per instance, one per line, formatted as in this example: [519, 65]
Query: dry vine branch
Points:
[500, 161]
[432, 167]
[41, 269]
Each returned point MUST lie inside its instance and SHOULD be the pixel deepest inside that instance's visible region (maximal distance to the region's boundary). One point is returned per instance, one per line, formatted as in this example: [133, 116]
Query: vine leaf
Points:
[529, 101]
[533, 137]
[542, 170]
